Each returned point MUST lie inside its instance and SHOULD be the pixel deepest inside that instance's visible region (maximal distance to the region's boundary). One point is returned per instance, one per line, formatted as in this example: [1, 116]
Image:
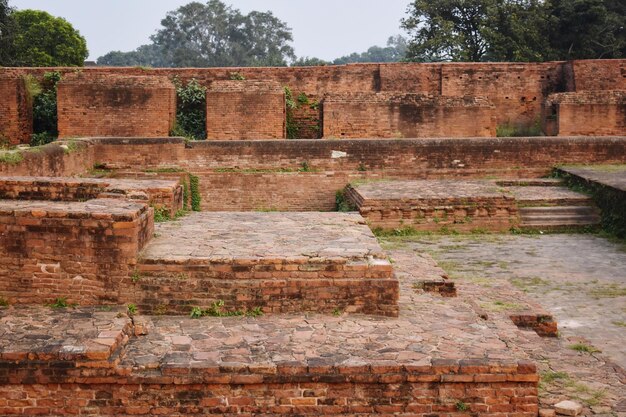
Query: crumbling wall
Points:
[240, 109]
[395, 115]
[115, 105]
[587, 113]
[16, 115]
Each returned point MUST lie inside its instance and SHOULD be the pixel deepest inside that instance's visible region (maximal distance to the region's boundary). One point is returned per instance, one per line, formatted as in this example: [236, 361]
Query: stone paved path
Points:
[581, 279]
[225, 236]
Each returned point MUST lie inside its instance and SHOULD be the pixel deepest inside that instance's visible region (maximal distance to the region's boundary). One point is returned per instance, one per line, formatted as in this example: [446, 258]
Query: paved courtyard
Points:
[580, 279]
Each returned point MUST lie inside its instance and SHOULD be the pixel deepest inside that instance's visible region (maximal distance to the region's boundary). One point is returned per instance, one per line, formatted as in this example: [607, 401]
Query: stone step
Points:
[558, 211]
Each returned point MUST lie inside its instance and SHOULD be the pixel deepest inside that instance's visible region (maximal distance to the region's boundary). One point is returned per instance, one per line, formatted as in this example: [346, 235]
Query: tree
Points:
[44, 40]
[309, 62]
[7, 31]
[587, 29]
[395, 51]
[216, 35]
[515, 30]
[146, 55]
[447, 30]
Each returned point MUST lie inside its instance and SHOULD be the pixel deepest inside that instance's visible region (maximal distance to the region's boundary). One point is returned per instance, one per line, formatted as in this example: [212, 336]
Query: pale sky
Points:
[326, 29]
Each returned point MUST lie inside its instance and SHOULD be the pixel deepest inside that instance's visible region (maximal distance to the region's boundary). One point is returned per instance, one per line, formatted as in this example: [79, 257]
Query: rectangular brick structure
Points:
[116, 105]
[76, 361]
[158, 193]
[604, 113]
[435, 204]
[241, 109]
[16, 114]
[400, 115]
[80, 251]
[280, 262]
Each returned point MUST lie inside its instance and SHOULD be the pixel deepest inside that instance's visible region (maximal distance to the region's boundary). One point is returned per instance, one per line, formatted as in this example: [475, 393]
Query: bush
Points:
[191, 111]
[45, 125]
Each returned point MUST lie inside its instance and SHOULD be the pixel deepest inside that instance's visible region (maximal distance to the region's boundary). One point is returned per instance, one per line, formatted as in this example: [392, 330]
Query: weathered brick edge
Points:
[491, 388]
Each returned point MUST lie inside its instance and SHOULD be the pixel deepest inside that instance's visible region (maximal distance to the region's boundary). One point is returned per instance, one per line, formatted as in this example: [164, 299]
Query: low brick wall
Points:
[604, 113]
[276, 286]
[157, 193]
[465, 214]
[80, 251]
[57, 388]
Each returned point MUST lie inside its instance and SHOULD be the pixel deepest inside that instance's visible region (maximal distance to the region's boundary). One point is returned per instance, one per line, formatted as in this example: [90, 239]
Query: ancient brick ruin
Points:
[143, 274]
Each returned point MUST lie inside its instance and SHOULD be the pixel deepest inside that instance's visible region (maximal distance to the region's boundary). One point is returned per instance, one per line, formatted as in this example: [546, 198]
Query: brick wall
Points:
[245, 110]
[16, 118]
[393, 115]
[79, 250]
[115, 105]
[516, 90]
[157, 193]
[434, 214]
[52, 160]
[599, 74]
[276, 286]
[58, 388]
[603, 112]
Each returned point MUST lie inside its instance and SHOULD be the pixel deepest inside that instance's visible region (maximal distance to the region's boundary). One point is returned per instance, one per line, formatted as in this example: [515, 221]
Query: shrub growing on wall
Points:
[190, 111]
[45, 127]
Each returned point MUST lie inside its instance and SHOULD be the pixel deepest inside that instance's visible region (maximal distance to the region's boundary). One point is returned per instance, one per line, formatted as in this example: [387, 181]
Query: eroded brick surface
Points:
[282, 262]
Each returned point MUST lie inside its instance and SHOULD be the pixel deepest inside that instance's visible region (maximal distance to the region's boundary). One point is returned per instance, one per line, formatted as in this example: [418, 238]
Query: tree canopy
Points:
[212, 35]
[515, 30]
[7, 32]
[395, 51]
[41, 39]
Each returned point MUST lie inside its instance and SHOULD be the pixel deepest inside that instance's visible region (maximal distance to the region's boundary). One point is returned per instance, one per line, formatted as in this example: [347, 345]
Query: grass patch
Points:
[61, 302]
[11, 157]
[217, 310]
[583, 348]
[526, 283]
[618, 323]
[608, 291]
[550, 376]
[498, 306]
[4, 303]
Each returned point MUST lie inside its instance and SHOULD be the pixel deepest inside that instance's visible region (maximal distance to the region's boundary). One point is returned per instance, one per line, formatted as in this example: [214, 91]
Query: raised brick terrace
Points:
[282, 262]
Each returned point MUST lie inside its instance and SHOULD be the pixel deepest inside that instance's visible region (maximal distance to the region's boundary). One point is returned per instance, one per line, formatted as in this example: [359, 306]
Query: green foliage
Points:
[217, 310]
[132, 309]
[161, 214]
[42, 40]
[3, 303]
[512, 30]
[461, 406]
[611, 202]
[191, 110]
[60, 302]
[508, 130]
[583, 348]
[45, 124]
[135, 276]
[212, 35]
[236, 76]
[194, 190]
[395, 51]
[304, 167]
[11, 157]
[291, 104]
[7, 34]
[342, 203]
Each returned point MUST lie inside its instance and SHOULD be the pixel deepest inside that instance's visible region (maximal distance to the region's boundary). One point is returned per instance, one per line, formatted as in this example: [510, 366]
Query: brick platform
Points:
[433, 204]
[157, 193]
[474, 206]
[434, 358]
[80, 251]
[281, 262]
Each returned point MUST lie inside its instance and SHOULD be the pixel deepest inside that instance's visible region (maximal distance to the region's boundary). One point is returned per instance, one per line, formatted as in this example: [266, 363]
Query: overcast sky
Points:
[325, 29]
